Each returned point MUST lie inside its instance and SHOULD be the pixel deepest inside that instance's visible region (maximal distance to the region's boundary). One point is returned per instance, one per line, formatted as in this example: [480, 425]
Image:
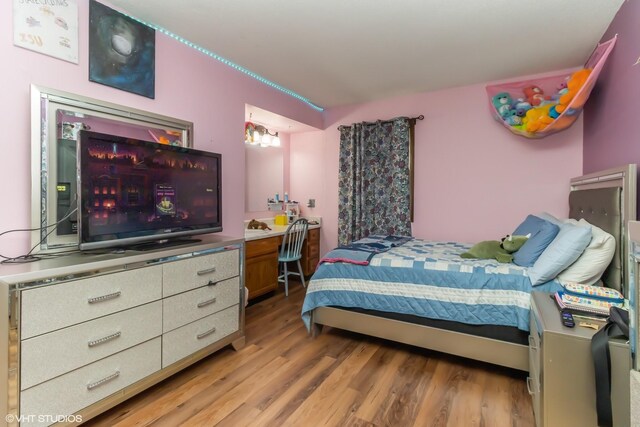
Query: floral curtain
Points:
[374, 183]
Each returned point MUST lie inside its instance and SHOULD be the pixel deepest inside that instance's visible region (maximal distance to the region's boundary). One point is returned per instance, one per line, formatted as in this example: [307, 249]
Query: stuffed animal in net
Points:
[257, 225]
[502, 103]
[574, 84]
[535, 96]
[512, 119]
[538, 118]
[493, 249]
[521, 106]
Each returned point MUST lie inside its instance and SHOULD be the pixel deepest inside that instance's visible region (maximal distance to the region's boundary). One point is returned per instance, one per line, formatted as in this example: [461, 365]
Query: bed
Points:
[471, 308]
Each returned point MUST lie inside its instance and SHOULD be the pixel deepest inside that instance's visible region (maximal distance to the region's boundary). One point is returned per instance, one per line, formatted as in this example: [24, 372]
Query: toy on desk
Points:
[257, 225]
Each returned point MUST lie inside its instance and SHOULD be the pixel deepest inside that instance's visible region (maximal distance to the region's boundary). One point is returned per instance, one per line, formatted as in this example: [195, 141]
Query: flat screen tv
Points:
[133, 191]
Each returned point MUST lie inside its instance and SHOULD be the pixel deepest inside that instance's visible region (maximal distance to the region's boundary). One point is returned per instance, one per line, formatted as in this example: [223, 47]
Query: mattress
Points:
[429, 280]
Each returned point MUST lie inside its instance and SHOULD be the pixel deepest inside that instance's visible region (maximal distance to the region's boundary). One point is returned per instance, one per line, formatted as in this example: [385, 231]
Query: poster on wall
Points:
[47, 26]
[121, 51]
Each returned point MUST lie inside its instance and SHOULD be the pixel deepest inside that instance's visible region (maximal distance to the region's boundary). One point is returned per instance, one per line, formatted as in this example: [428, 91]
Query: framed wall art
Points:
[50, 28]
[121, 51]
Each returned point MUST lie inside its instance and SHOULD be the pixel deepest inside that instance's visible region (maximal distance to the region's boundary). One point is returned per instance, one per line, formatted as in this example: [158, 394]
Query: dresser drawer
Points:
[187, 307]
[58, 306]
[309, 265]
[184, 275]
[78, 389]
[313, 235]
[190, 338]
[313, 251]
[56, 353]
[262, 246]
[535, 349]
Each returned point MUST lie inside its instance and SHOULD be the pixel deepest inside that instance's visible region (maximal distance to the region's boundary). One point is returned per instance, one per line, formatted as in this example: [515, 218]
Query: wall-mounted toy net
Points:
[539, 107]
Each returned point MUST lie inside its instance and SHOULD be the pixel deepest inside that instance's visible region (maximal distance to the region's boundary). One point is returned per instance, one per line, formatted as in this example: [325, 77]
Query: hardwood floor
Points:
[284, 377]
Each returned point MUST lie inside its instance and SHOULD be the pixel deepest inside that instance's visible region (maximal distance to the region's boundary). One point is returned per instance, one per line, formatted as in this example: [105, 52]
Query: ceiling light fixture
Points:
[258, 134]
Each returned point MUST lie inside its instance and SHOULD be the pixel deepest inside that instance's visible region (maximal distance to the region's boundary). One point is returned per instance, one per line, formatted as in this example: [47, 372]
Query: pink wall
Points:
[307, 172]
[189, 86]
[610, 137]
[474, 180]
[308, 175]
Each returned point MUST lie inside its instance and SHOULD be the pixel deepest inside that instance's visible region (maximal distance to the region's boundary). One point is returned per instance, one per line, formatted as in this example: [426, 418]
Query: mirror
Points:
[264, 176]
[56, 119]
[267, 168]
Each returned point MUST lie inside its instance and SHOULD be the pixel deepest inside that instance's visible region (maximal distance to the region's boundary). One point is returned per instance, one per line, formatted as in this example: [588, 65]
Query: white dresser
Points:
[85, 332]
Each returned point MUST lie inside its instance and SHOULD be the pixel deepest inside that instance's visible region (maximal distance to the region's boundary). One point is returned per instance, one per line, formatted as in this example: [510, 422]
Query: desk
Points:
[261, 257]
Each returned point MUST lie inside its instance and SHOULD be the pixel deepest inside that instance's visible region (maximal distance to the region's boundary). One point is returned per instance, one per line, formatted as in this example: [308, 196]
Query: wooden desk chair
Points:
[291, 250]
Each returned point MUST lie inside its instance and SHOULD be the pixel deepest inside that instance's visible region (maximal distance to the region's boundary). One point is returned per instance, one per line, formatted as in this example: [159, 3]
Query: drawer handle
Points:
[104, 297]
[104, 339]
[206, 271]
[532, 343]
[206, 303]
[98, 383]
[206, 334]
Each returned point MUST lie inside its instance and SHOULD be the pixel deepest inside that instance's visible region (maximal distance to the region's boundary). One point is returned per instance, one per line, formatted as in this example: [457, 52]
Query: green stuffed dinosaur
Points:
[500, 251]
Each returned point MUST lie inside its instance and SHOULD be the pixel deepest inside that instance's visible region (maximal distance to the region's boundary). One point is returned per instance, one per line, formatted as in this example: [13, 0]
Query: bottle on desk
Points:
[280, 219]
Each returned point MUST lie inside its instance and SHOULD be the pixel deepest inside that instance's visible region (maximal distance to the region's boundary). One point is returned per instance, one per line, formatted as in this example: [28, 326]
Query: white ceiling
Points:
[337, 52]
[274, 122]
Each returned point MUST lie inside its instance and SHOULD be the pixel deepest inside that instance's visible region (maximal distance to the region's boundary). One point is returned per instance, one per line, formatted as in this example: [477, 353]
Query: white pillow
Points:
[552, 219]
[595, 259]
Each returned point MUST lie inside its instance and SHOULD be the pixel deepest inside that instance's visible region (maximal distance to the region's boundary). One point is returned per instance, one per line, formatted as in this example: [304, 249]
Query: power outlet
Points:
[311, 203]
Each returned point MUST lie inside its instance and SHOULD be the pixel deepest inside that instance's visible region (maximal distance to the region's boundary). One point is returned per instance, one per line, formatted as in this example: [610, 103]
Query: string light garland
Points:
[227, 62]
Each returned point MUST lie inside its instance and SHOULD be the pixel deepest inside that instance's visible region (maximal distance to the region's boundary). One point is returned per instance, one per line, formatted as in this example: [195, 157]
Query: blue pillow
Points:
[567, 247]
[542, 233]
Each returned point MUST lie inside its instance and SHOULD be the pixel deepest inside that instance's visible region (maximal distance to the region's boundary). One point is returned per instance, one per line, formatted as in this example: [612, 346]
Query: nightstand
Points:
[561, 375]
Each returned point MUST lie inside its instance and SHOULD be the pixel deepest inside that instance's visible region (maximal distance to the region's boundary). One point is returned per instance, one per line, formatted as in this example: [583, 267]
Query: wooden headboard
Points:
[607, 199]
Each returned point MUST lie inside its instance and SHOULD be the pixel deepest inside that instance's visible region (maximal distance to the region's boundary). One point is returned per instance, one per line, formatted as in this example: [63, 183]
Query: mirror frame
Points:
[43, 142]
[633, 291]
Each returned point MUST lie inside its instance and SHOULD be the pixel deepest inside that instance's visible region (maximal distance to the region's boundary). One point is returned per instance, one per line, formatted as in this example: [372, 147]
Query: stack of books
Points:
[590, 305]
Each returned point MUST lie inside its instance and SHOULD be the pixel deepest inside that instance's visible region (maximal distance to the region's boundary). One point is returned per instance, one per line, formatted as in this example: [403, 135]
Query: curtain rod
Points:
[420, 117]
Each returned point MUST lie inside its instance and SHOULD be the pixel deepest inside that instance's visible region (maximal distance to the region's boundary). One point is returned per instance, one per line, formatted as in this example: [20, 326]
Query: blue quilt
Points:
[361, 251]
[428, 279]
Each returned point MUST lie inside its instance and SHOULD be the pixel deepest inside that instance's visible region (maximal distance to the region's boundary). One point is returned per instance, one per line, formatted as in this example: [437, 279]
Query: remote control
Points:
[567, 319]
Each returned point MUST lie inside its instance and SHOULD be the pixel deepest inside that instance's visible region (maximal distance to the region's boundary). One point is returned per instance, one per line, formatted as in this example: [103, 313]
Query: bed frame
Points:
[606, 199]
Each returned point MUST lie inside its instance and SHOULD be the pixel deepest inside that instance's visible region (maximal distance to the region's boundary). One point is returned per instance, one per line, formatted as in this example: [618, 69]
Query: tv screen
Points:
[134, 191]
